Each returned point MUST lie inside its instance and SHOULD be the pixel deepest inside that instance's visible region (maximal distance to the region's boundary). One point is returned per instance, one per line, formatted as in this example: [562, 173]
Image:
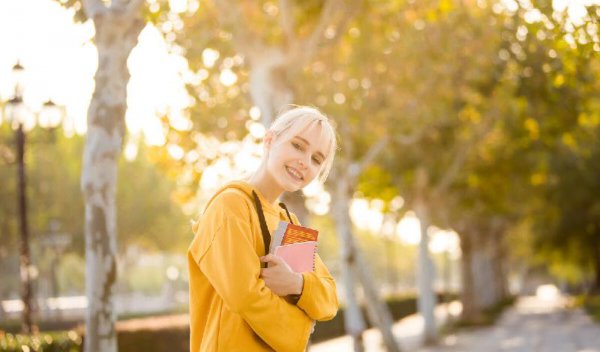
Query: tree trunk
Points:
[116, 35]
[271, 93]
[353, 320]
[269, 87]
[427, 299]
[355, 266]
[501, 284]
[484, 282]
[467, 295]
[378, 312]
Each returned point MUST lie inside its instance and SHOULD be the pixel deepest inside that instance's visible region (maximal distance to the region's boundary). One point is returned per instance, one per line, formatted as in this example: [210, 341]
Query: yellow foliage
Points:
[446, 6]
[538, 179]
[588, 120]
[569, 140]
[533, 128]
[559, 80]
[469, 113]
[473, 180]
[432, 16]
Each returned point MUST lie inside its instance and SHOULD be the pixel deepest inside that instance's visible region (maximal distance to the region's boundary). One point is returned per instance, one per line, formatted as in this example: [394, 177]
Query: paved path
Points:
[534, 324]
[408, 332]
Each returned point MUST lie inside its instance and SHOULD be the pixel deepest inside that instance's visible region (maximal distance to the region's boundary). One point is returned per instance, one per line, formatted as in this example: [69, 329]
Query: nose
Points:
[302, 163]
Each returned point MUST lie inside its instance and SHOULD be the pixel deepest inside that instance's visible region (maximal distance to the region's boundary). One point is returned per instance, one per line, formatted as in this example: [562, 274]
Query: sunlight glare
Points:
[409, 229]
[209, 57]
[178, 6]
[130, 151]
[255, 113]
[228, 77]
[175, 151]
[444, 241]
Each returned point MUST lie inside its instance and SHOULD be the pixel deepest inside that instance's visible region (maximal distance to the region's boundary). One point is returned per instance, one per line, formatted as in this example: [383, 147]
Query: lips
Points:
[297, 175]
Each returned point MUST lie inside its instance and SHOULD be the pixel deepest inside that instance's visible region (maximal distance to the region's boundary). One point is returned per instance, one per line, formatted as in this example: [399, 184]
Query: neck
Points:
[265, 185]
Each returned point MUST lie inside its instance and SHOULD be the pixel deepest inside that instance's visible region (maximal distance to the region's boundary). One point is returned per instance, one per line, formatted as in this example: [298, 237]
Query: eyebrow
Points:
[307, 143]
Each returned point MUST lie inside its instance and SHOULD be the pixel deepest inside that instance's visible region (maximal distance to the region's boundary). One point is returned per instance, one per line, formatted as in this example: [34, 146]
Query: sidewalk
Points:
[408, 332]
[534, 324]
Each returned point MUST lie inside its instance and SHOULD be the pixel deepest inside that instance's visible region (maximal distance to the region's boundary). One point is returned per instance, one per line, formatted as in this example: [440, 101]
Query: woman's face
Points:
[294, 161]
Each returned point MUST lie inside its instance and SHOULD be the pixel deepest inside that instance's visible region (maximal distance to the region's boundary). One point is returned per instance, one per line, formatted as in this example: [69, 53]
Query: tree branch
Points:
[243, 38]
[409, 139]
[309, 46]
[287, 20]
[356, 168]
[461, 158]
[93, 8]
[134, 7]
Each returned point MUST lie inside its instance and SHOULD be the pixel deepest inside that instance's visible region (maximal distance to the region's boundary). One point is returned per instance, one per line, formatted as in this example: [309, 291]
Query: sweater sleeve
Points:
[319, 296]
[229, 260]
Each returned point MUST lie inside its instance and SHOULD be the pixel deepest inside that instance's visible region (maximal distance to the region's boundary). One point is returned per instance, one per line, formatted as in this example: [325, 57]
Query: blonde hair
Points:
[299, 118]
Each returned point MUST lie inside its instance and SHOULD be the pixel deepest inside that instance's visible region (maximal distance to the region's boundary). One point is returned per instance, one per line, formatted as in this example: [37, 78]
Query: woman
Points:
[235, 305]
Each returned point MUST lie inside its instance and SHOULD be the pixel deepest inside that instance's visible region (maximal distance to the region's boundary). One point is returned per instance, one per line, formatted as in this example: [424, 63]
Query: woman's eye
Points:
[297, 146]
[317, 160]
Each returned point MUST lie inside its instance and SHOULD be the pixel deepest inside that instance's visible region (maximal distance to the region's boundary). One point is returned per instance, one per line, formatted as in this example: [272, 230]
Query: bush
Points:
[69, 341]
[591, 304]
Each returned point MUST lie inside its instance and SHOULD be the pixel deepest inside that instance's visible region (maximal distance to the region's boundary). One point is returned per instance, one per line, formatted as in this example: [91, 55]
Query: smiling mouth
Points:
[294, 173]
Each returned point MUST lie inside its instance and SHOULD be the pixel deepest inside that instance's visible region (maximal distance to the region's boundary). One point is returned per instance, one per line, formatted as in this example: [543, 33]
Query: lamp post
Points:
[16, 114]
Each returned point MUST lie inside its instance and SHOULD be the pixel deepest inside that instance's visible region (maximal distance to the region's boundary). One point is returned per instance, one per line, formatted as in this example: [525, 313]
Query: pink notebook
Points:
[299, 256]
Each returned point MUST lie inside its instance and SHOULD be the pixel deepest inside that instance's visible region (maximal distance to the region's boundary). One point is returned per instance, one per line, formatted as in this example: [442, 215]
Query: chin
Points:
[293, 186]
[292, 189]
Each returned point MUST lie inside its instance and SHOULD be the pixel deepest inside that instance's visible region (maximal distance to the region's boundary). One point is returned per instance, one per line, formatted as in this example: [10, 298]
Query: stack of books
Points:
[296, 244]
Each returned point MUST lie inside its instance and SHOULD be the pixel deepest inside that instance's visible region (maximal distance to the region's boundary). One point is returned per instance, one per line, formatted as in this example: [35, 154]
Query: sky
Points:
[60, 61]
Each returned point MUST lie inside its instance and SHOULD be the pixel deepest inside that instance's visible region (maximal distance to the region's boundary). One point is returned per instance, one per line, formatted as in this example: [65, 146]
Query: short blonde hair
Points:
[299, 118]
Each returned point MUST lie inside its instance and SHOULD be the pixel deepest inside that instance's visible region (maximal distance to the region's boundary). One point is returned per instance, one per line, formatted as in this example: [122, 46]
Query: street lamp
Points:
[17, 115]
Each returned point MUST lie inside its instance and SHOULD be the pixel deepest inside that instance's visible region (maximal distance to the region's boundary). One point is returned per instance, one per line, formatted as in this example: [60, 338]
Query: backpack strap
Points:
[287, 212]
[263, 225]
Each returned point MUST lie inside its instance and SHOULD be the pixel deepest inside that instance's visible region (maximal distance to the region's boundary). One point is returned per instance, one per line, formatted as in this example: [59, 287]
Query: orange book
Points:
[287, 233]
[297, 233]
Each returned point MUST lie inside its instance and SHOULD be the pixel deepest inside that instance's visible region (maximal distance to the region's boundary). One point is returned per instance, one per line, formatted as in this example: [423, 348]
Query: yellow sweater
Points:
[231, 308]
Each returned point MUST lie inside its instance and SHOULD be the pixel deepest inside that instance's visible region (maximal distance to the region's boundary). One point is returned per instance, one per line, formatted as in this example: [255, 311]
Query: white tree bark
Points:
[353, 320]
[425, 276]
[269, 89]
[483, 277]
[354, 266]
[117, 30]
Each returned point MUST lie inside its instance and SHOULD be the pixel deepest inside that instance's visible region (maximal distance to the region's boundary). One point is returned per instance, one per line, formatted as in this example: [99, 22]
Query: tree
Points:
[555, 60]
[447, 51]
[275, 43]
[117, 26]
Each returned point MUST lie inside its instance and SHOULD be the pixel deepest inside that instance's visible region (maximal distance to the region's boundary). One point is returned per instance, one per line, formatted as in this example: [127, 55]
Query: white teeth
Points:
[294, 172]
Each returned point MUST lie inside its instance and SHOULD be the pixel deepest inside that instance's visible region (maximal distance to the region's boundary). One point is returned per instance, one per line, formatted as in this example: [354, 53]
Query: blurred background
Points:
[468, 172]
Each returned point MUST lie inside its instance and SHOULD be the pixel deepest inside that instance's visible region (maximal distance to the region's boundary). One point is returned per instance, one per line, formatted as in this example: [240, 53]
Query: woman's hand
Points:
[280, 278]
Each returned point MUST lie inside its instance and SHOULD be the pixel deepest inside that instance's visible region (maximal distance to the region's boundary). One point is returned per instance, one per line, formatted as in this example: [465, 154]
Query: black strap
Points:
[263, 225]
[287, 212]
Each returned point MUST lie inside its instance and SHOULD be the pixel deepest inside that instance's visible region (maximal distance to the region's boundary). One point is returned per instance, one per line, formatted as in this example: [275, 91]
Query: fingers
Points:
[271, 259]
